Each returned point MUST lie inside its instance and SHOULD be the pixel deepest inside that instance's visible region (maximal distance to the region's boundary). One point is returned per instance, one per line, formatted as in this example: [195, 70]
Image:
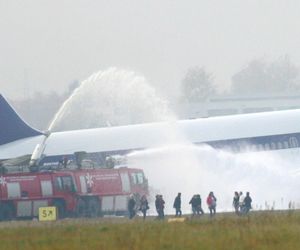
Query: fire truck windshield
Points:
[64, 183]
[137, 178]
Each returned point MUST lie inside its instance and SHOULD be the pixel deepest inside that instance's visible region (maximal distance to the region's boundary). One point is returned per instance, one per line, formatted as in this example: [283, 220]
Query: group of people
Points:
[241, 204]
[143, 206]
[196, 203]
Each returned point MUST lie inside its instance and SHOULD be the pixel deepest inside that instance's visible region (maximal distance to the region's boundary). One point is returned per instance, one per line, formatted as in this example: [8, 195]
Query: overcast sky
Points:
[46, 44]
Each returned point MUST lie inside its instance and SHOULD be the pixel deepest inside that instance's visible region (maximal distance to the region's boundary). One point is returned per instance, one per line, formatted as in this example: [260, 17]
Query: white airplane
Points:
[277, 130]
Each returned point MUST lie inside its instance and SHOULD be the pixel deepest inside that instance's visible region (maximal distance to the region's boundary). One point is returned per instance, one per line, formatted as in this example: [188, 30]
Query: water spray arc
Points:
[40, 148]
[107, 98]
[112, 97]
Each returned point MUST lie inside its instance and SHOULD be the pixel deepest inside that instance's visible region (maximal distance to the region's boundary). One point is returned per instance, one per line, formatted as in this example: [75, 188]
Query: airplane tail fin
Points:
[12, 127]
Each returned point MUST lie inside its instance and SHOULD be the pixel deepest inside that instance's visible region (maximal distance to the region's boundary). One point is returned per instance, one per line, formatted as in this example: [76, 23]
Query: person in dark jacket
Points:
[247, 203]
[131, 207]
[160, 206]
[196, 205]
[177, 205]
[199, 204]
[157, 205]
[144, 206]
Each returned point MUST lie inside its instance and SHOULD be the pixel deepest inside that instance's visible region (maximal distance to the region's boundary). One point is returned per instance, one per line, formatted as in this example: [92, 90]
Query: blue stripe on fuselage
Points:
[260, 143]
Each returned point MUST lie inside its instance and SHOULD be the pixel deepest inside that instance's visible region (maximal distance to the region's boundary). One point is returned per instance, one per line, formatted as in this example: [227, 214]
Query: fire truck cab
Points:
[77, 192]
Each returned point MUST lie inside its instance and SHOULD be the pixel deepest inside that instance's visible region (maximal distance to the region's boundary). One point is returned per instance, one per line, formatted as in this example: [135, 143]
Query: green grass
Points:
[261, 230]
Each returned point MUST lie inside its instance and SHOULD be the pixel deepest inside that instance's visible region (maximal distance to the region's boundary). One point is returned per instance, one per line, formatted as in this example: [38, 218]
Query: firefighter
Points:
[65, 161]
[131, 206]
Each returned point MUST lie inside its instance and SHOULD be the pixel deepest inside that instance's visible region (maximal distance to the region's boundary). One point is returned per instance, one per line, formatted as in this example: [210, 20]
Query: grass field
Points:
[261, 230]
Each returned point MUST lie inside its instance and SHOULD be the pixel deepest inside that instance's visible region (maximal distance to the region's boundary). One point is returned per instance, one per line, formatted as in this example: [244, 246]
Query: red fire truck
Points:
[77, 192]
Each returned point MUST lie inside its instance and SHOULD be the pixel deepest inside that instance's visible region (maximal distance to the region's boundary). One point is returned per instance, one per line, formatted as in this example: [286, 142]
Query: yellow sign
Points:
[182, 219]
[47, 213]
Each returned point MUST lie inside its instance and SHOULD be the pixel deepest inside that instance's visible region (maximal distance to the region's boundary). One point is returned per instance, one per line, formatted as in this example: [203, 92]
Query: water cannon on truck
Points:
[38, 151]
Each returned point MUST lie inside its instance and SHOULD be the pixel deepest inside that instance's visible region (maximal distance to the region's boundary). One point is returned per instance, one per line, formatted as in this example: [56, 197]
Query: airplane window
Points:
[235, 149]
[273, 145]
[260, 147]
[293, 142]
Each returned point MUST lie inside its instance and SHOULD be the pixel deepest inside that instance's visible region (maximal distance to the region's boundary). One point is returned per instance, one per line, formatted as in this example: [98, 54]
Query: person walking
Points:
[193, 203]
[235, 202]
[241, 202]
[144, 206]
[160, 205]
[212, 203]
[157, 204]
[131, 206]
[247, 203]
[199, 205]
[177, 205]
[196, 205]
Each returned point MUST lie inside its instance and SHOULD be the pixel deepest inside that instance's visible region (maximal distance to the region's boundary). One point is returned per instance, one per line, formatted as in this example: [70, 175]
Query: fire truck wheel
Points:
[80, 208]
[6, 212]
[60, 208]
[93, 207]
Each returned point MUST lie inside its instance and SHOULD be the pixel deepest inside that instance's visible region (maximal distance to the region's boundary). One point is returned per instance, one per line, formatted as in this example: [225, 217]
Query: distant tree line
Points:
[258, 77]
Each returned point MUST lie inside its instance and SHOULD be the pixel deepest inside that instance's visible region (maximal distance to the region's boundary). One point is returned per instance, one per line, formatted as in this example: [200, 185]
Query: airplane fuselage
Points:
[266, 131]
